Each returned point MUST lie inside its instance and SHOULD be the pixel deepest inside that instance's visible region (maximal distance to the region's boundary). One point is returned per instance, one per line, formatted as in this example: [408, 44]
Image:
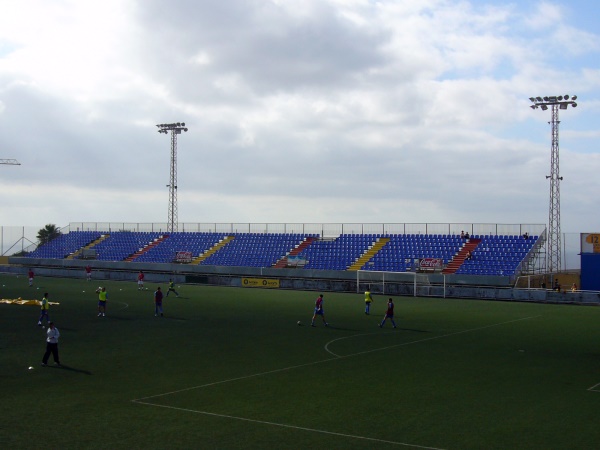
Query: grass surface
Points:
[229, 368]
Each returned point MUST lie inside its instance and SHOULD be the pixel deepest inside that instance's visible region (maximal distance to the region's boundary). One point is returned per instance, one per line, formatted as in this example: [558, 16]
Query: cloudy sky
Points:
[298, 111]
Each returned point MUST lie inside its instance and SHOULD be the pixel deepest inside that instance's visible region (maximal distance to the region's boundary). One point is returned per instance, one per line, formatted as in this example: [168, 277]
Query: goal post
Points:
[365, 279]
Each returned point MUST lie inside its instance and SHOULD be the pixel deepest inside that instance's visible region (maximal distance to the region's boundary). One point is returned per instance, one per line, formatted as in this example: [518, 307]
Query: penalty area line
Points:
[283, 425]
[229, 380]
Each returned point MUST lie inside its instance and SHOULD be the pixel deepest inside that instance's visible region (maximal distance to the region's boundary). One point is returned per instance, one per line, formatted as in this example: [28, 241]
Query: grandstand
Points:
[485, 254]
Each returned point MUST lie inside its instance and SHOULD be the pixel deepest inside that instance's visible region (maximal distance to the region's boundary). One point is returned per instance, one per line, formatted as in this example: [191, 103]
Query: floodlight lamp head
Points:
[574, 98]
[533, 106]
[183, 124]
[185, 129]
[539, 99]
[544, 107]
[566, 96]
[532, 99]
[574, 105]
[545, 99]
[563, 105]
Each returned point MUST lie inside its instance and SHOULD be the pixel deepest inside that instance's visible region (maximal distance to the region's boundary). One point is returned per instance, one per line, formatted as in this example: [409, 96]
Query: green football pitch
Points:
[230, 368]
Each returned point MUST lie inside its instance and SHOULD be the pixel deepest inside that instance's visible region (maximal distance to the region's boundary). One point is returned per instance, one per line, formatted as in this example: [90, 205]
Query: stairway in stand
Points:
[282, 263]
[362, 260]
[87, 247]
[214, 249]
[460, 257]
[147, 247]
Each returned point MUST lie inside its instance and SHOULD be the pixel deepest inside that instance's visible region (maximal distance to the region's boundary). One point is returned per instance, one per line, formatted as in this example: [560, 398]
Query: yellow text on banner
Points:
[260, 282]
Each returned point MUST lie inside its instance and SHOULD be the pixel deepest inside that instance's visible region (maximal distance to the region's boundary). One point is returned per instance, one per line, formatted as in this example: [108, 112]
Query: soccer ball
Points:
[299, 323]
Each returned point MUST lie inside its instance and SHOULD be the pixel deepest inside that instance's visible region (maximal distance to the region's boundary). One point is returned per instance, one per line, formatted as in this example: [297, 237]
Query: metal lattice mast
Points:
[175, 129]
[554, 237]
[172, 221]
[554, 234]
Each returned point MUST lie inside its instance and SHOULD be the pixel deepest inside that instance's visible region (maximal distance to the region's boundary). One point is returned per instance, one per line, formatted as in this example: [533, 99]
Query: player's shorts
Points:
[319, 312]
[140, 282]
[389, 316]
[101, 303]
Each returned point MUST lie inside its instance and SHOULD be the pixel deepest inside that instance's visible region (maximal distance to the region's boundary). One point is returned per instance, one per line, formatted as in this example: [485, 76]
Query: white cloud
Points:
[391, 111]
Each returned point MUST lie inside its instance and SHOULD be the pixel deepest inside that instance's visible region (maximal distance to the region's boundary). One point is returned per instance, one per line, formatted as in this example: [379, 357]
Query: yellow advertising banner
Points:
[260, 282]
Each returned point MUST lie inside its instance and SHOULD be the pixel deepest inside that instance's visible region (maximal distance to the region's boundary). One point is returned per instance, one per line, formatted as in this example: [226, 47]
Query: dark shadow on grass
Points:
[412, 329]
[180, 319]
[71, 369]
[333, 327]
[115, 318]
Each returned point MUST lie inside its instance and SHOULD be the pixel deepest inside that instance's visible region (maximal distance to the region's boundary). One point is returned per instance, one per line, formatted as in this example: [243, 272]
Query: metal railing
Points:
[322, 229]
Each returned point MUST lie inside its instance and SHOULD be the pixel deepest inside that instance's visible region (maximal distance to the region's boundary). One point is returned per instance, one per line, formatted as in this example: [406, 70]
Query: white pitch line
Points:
[417, 341]
[294, 427]
[336, 357]
[122, 303]
[245, 377]
[593, 388]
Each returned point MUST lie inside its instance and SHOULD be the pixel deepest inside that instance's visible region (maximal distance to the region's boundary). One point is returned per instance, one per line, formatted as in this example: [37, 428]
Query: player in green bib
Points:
[102, 298]
[172, 288]
[44, 310]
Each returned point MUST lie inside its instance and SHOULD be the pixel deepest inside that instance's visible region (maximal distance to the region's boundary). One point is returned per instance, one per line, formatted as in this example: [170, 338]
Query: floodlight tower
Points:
[175, 129]
[554, 239]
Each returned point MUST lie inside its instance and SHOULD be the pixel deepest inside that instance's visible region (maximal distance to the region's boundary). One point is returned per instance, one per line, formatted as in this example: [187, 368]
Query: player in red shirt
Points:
[318, 311]
[389, 314]
[88, 272]
[140, 281]
[30, 275]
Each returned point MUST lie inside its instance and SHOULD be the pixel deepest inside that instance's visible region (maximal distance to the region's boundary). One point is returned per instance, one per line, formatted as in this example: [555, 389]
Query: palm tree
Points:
[49, 232]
